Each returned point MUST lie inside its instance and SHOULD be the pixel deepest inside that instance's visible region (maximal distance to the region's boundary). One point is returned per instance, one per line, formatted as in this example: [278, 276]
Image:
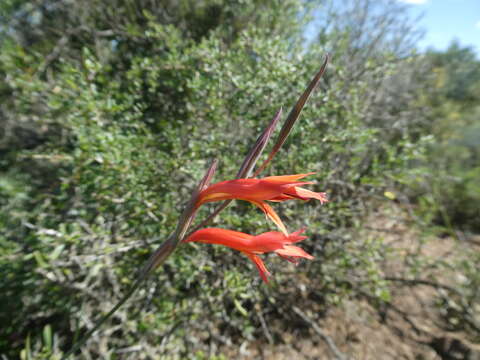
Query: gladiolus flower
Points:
[257, 191]
[251, 246]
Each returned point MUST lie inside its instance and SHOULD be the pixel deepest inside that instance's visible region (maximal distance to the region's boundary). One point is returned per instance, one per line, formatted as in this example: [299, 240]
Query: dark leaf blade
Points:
[293, 116]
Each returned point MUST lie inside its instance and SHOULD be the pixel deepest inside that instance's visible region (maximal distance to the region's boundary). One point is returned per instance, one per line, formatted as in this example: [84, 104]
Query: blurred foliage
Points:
[449, 187]
[110, 112]
[445, 186]
[461, 310]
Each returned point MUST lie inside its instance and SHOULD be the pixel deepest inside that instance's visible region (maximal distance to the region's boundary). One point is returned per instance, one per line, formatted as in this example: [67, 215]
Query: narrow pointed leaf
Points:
[257, 149]
[293, 116]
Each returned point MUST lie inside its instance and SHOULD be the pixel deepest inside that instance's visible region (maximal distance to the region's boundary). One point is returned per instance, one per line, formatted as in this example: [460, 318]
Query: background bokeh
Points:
[110, 112]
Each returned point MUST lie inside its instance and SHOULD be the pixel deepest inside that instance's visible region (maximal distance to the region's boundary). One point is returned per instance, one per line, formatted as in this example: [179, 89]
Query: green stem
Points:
[99, 323]
[157, 259]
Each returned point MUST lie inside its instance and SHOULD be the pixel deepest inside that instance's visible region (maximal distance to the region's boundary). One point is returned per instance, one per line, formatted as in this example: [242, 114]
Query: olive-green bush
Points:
[111, 111]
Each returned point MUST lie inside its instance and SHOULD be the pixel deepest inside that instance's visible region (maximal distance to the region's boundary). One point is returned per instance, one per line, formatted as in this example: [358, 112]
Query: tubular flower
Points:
[257, 191]
[251, 246]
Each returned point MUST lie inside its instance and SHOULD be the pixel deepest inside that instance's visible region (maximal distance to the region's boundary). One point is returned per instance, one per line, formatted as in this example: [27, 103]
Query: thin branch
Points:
[328, 340]
[100, 322]
[424, 282]
[265, 328]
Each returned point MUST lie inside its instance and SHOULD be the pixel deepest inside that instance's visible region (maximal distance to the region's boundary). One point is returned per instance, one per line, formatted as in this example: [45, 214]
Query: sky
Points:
[446, 20]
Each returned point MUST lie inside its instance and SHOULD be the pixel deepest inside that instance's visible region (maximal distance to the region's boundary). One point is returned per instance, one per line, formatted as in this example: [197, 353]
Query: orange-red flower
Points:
[251, 246]
[257, 191]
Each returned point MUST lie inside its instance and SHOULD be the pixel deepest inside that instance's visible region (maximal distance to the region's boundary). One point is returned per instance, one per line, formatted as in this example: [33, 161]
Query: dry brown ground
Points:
[410, 327]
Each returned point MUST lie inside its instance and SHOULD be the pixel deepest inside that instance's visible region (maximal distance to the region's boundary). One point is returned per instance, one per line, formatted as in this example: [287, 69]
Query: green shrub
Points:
[125, 125]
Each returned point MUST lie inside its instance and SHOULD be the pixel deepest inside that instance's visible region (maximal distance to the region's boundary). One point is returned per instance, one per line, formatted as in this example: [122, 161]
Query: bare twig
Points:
[328, 340]
[423, 282]
[265, 328]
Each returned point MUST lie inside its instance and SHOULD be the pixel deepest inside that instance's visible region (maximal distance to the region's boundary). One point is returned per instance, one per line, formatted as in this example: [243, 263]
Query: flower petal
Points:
[305, 194]
[294, 251]
[251, 246]
[264, 273]
[296, 237]
[217, 236]
[268, 210]
[290, 259]
[286, 178]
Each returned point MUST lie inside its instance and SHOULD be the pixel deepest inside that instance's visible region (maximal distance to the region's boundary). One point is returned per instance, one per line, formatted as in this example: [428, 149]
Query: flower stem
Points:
[156, 259]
